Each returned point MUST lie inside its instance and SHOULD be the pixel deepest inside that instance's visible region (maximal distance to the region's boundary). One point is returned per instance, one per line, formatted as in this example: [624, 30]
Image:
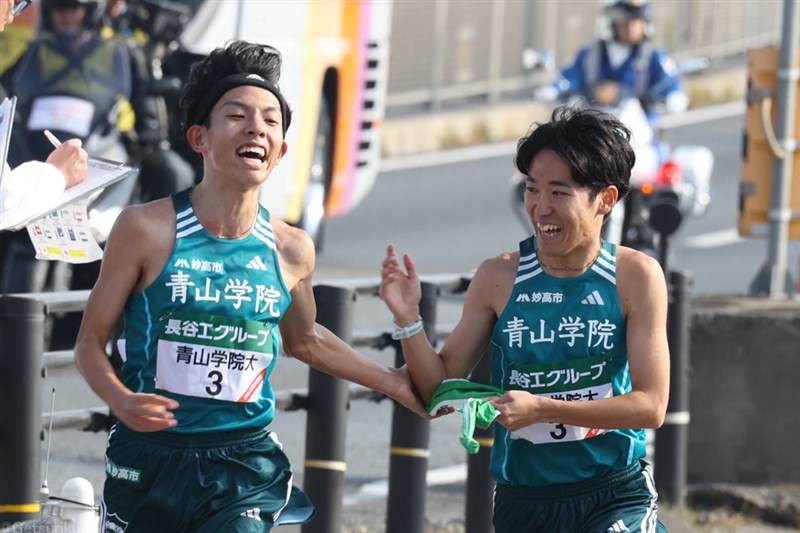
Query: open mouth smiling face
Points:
[252, 152]
[547, 229]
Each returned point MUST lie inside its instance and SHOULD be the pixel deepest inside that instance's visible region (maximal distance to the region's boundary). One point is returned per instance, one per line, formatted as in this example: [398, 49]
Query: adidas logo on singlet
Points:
[256, 264]
[254, 513]
[618, 526]
[593, 299]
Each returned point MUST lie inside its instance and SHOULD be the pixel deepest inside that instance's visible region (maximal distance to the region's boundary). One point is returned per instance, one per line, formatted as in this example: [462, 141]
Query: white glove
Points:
[676, 102]
[545, 93]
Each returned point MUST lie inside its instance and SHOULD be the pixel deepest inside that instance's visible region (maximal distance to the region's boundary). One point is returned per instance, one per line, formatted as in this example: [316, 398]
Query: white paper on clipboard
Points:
[65, 235]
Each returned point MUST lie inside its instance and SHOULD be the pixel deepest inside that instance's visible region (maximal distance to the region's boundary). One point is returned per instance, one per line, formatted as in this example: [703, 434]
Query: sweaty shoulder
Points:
[503, 265]
[144, 235]
[148, 224]
[494, 279]
[296, 252]
[637, 275]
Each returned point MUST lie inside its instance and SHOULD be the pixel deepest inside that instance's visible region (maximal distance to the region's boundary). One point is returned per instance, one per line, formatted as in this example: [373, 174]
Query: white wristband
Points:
[408, 331]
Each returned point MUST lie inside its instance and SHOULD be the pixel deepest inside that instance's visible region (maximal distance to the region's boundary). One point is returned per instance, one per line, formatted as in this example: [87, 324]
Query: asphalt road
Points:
[449, 211]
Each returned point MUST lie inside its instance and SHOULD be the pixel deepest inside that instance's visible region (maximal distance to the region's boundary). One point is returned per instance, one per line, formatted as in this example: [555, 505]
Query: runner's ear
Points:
[608, 199]
[196, 137]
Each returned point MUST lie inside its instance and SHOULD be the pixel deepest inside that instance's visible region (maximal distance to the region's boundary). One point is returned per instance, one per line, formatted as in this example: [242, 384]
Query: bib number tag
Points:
[65, 113]
[218, 358]
[572, 381]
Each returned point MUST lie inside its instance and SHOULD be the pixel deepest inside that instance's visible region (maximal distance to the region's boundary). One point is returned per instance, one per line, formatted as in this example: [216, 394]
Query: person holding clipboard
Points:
[36, 183]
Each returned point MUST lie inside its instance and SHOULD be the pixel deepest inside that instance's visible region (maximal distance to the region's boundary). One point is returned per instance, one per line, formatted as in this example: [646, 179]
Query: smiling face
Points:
[244, 137]
[564, 215]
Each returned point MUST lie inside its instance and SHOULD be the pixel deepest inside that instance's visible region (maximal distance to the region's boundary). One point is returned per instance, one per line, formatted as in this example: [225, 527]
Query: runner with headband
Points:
[205, 280]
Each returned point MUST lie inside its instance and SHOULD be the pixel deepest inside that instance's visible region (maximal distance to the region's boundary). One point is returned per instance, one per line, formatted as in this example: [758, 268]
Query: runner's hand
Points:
[517, 409]
[146, 412]
[404, 393]
[400, 289]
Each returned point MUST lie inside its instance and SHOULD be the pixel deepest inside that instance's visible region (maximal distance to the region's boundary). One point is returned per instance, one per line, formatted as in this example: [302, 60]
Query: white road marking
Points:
[704, 114]
[713, 239]
[376, 490]
[448, 157]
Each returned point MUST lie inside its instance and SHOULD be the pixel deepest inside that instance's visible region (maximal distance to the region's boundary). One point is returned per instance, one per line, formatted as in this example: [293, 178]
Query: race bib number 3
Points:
[579, 380]
[219, 358]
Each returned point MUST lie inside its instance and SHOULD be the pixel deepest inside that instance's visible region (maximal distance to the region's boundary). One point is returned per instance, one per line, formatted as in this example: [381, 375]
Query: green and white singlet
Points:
[562, 338]
[204, 332]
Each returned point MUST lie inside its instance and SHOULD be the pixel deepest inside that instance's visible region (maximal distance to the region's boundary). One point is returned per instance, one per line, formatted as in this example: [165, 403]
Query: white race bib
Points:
[579, 380]
[554, 432]
[64, 113]
[212, 357]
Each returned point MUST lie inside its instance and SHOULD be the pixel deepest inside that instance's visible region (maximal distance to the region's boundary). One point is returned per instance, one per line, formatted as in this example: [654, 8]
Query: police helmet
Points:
[620, 10]
[629, 9]
[94, 11]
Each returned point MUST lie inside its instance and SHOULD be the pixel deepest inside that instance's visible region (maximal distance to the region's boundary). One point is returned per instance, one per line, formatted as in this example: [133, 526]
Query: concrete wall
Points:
[744, 391]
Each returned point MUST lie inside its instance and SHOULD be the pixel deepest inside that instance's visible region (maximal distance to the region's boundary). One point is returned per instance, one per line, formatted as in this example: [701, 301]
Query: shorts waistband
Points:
[570, 490]
[193, 440]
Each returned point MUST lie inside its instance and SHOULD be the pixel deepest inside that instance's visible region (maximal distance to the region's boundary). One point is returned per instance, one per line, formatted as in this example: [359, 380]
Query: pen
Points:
[52, 138]
[20, 7]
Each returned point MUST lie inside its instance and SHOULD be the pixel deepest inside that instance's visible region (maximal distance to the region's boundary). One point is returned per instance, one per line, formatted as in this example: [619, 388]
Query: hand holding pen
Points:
[52, 138]
[68, 157]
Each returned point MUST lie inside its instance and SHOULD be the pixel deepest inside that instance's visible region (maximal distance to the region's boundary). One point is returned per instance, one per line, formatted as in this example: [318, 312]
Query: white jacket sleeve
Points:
[30, 187]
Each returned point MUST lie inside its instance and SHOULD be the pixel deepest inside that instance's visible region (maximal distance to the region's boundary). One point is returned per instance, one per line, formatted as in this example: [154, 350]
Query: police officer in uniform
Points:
[626, 58]
[69, 59]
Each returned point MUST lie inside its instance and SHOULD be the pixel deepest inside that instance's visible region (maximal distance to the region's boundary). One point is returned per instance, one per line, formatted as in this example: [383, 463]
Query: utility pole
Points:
[780, 213]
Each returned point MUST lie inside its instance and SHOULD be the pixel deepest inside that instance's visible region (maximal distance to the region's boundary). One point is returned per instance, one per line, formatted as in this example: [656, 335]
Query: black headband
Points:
[237, 80]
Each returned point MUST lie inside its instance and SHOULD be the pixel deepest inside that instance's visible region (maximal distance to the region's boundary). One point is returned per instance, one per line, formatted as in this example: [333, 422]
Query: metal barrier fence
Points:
[23, 363]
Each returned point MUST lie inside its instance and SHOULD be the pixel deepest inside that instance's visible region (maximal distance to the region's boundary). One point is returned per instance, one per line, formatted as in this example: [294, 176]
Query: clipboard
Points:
[7, 108]
[100, 174]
